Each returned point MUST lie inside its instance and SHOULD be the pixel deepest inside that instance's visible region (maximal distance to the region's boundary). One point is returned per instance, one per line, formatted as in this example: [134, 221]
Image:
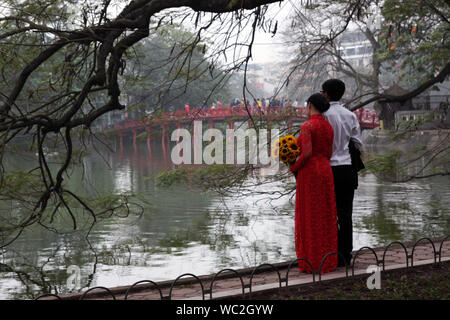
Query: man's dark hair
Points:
[335, 89]
[319, 102]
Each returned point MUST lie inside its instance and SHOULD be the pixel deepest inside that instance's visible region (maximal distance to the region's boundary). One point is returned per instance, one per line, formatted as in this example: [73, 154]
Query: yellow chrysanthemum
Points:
[293, 147]
[291, 138]
[286, 149]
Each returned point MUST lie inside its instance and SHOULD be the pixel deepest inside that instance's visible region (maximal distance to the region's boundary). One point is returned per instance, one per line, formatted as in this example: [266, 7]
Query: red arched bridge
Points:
[367, 118]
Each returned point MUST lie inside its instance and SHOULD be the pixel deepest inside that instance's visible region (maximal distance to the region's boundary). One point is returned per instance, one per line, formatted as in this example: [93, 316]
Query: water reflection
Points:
[401, 211]
[184, 230]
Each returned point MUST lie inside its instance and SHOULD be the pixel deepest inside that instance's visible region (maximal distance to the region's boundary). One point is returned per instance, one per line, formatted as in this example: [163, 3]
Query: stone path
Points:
[228, 284]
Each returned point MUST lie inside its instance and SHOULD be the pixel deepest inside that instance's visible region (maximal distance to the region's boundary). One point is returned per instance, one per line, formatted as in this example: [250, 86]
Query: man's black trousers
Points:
[345, 183]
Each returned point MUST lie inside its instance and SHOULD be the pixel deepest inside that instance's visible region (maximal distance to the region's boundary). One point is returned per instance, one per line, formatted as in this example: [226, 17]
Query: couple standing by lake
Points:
[326, 180]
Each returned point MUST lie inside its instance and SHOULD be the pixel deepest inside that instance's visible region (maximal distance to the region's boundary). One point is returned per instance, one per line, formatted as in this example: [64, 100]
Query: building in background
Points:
[356, 49]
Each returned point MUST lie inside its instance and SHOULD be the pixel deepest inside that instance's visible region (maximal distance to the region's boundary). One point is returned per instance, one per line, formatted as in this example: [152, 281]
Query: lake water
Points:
[184, 230]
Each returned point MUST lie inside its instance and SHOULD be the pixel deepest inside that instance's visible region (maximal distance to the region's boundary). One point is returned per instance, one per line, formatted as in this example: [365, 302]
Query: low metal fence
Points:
[231, 273]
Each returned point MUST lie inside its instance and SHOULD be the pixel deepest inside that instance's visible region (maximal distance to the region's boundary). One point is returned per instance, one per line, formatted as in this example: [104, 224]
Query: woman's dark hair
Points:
[335, 89]
[319, 102]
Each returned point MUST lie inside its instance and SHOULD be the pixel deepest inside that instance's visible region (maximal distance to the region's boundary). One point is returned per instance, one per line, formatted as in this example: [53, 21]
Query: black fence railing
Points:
[409, 262]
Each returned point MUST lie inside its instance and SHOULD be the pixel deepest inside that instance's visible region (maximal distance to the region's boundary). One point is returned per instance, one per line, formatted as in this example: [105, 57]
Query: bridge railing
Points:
[365, 116]
[231, 111]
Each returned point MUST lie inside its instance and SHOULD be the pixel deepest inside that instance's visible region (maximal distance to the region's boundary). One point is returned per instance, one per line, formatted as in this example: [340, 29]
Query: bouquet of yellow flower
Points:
[286, 149]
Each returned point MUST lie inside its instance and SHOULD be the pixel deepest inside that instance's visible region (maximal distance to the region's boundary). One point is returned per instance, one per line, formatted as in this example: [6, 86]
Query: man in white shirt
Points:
[346, 128]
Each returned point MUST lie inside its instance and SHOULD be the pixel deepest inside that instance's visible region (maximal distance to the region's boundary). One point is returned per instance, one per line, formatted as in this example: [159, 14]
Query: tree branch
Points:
[445, 72]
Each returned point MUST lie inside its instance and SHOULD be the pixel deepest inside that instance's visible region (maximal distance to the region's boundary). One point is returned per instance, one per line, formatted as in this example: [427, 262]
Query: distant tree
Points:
[157, 79]
[415, 39]
[403, 42]
[317, 34]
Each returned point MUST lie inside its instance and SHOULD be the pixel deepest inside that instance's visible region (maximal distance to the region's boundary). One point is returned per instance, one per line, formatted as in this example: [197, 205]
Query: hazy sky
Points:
[268, 47]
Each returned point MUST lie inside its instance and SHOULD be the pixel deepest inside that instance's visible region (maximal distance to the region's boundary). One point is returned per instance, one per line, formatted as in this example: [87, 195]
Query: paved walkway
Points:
[228, 284]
